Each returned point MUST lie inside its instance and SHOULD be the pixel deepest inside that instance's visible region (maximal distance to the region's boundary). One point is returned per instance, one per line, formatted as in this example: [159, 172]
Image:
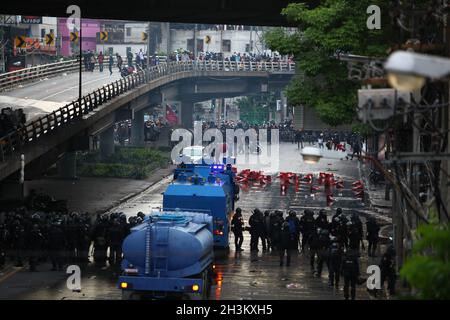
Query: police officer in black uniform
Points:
[56, 244]
[358, 229]
[350, 271]
[18, 241]
[387, 268]
[4, 237]
[307, 227]
[314, 246]
[267, 230]
[322, 253]
[334, 263]
[294, 226]
[335, 221]
[35, 241]
[256, 229]
[115, 238]
[237, 226]
[373, 230]
[276, 222]
[99, 237]
[322, 220]
[286, 239]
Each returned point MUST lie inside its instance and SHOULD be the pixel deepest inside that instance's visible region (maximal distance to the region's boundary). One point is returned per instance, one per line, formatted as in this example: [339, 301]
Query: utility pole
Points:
[251, 40]
[148, 45]
[195, 41]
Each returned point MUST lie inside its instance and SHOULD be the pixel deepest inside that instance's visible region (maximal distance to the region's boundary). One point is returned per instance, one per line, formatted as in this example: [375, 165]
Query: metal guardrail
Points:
[14, 142]
[13, 78]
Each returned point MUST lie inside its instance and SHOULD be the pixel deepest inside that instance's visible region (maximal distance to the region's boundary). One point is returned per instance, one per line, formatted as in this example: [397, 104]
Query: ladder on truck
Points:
[160, 257]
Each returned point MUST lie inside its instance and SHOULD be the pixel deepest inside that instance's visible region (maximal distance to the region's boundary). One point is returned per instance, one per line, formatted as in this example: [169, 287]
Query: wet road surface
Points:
[241, 276]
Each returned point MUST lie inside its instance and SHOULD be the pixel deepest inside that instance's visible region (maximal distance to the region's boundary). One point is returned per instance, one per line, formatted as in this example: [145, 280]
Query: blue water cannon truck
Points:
[169, 255]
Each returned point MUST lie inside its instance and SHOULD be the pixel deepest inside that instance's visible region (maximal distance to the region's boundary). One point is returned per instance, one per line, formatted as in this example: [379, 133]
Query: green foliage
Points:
[256, 109]
[333, 26]
[126, 162]
[428, 269]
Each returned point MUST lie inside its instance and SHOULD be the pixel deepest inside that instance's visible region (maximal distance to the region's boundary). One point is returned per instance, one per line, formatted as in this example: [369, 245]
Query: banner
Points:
[171, 114]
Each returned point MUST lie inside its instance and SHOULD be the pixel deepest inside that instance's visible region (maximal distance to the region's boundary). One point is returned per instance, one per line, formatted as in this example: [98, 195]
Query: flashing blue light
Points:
[217, 167]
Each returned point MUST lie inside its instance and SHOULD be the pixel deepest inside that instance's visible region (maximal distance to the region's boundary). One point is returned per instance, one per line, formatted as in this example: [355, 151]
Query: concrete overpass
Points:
[59, 131]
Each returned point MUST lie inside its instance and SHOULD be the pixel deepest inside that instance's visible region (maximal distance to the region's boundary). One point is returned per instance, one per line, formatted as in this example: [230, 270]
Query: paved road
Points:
[49, 94]
[245, 275]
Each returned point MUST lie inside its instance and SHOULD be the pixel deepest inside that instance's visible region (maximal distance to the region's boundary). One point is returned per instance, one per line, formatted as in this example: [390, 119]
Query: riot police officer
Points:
[322, 253]
[350, 271]
[276, 222]
[342, 231]
[237, 226]
[387, 268]
[56, 244]
[84, 237]
[115, 238]
[314, 246]
[294, 227]
[267, 230]
[35, 241]
[373, 230]
[4, 236]
[18, 241]
[322, 220]
[99, 236]
[307, 227]
[357, 229]
[256, 229]
[334, 263]
[286, 240]
[335, 221]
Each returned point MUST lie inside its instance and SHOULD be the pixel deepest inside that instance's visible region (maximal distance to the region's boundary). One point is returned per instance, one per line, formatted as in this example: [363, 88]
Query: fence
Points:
[73, 111]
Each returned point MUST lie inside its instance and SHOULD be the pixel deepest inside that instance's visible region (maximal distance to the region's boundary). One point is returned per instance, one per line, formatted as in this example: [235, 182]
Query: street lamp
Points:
[311, 155]
[408, 70]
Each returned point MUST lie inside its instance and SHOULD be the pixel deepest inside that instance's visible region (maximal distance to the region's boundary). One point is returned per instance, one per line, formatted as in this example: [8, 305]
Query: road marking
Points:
[74, 87]
[10, 274]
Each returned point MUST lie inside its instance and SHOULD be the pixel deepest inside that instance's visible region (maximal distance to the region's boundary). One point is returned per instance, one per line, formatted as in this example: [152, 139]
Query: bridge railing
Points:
[14, 142]
[14, 78]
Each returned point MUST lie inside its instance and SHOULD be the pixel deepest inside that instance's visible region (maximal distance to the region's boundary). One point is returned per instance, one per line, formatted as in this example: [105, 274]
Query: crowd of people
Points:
[44, 230]
[11, 120]
[152, 130]
[138, 60]
[337, 244]
[331, 140]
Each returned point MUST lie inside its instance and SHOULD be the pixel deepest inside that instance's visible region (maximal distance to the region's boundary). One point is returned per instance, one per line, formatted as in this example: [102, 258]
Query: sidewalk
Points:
[375, 197]
[96, 195]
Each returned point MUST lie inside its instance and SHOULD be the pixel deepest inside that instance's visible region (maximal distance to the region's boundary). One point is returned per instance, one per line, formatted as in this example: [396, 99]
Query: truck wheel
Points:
[129, 295]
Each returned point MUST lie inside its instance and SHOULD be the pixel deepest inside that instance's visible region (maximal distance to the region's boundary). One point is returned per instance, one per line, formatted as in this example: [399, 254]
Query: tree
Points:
[256, 109]
[331, 27]
[428, 269]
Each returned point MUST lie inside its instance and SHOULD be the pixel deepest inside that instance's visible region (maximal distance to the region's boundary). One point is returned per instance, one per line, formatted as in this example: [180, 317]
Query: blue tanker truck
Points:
[205, 188]
[171, 253]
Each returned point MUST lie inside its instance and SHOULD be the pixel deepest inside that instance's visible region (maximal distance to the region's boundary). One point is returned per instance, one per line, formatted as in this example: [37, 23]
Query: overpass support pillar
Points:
[187, 113]
[11, 189]
[67, 165]
[137, 128]
[107, 142]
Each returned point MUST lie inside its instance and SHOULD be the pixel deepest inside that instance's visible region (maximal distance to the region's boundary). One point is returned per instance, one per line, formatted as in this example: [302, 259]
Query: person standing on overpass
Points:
[100, 61]
[111, 63]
